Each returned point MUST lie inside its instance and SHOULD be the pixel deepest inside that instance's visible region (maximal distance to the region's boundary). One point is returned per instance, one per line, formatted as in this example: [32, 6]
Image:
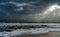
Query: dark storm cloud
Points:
[25, 10]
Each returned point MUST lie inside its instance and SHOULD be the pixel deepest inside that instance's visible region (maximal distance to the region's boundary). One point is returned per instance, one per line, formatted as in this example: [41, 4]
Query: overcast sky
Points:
[30, 10]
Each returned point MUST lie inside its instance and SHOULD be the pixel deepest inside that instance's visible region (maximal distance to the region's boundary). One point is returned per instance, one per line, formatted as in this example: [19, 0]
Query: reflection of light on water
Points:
[28, 31]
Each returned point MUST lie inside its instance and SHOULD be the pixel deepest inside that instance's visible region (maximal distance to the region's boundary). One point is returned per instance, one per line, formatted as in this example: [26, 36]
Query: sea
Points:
[53, 27]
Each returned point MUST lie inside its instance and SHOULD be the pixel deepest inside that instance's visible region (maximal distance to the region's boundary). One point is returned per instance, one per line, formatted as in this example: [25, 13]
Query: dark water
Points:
[28, 11]
[43, 28]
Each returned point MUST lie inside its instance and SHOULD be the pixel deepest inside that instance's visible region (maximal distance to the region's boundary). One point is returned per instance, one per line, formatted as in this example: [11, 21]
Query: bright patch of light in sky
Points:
[50, 9]
[51, 12]
[53, 7]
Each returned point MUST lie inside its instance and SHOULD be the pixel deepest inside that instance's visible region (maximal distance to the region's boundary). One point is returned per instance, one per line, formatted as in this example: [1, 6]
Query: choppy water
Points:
[12, 24]
[30, 30]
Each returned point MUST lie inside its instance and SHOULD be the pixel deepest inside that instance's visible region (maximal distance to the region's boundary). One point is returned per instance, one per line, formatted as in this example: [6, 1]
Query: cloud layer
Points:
[30, 11]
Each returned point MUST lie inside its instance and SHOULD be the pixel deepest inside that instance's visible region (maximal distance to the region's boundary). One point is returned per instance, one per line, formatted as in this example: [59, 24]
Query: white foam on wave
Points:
[21, 24]
[28, 31]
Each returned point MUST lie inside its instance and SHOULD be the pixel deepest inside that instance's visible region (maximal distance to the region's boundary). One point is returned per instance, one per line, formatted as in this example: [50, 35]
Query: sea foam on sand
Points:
[27, 31]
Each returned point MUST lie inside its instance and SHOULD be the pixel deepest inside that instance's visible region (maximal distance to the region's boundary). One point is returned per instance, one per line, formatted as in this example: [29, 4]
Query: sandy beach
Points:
[49, 34]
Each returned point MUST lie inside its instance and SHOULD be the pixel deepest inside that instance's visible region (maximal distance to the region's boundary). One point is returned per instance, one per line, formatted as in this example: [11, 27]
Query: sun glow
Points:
[50, 9]
[53, 7]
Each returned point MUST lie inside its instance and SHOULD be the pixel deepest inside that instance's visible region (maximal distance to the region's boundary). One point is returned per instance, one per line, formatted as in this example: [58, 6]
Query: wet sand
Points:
[49, 34]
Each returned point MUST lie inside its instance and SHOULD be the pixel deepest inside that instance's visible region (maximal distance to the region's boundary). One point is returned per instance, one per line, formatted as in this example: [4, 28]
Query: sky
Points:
[30, 10]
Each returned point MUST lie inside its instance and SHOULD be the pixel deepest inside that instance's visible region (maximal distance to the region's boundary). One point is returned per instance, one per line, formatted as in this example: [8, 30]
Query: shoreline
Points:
[31, 35]
[49, 34]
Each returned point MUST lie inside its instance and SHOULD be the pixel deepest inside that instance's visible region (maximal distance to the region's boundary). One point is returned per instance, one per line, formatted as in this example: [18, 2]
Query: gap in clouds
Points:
[29, 11]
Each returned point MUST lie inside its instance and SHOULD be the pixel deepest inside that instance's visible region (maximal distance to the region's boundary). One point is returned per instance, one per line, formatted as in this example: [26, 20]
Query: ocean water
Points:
[29, 11]
[21, 24]
[30, 30]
